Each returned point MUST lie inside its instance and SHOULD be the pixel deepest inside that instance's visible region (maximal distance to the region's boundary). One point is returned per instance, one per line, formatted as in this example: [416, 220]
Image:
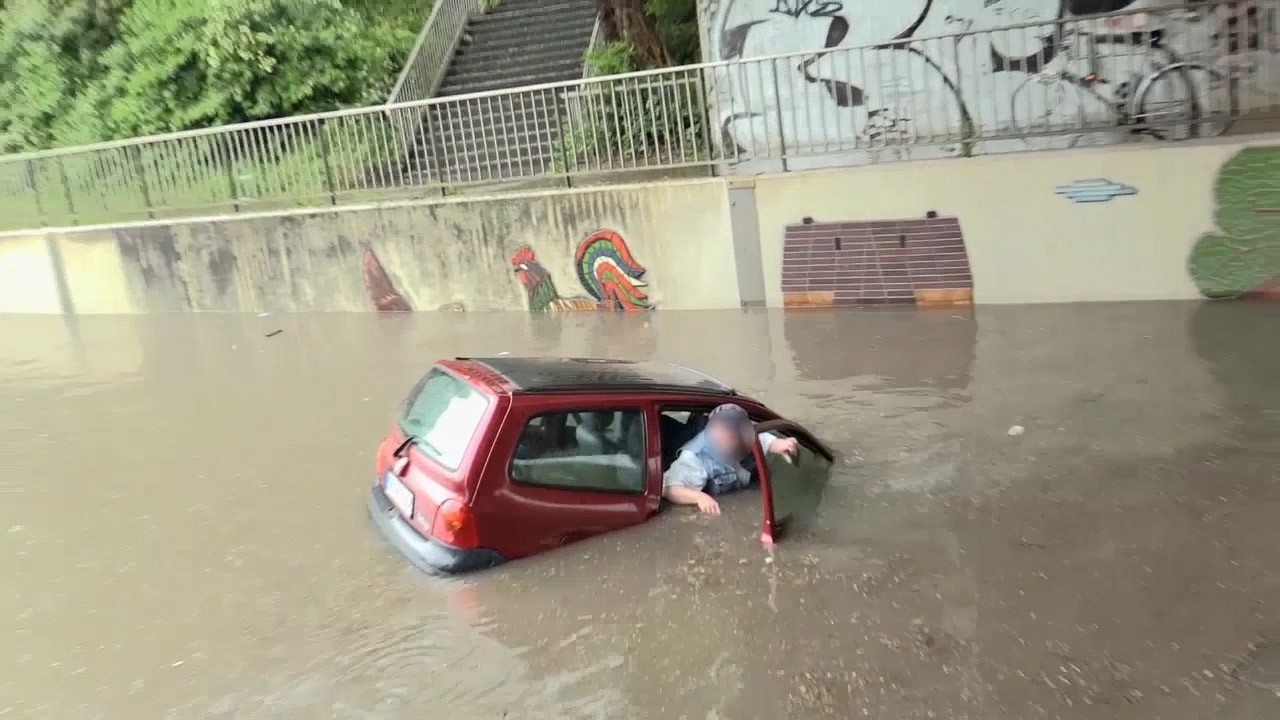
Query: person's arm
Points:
[771, 443]
[683, 482]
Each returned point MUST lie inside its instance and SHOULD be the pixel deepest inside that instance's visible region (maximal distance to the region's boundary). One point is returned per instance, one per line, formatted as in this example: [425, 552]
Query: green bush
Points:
[78, 71]
[651, 120]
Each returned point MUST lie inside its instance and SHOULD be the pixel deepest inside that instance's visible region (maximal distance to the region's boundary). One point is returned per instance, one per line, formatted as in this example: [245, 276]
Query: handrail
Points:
[433, 49]
[587, 70]
[673, 119]
[539, 88]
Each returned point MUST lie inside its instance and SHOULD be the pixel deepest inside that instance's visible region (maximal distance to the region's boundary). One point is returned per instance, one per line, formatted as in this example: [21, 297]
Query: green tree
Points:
[77, 71]
[48, 54]
[1244, 254]
[194, 63]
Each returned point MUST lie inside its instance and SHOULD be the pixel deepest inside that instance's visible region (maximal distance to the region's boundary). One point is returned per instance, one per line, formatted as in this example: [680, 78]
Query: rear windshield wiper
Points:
[413, 440]
[408, 440]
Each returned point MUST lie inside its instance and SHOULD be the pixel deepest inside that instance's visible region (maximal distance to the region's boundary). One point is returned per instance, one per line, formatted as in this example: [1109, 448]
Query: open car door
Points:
[791, 489]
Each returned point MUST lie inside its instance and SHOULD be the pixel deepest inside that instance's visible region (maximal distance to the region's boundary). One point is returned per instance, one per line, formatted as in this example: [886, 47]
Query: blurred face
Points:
[726, 438]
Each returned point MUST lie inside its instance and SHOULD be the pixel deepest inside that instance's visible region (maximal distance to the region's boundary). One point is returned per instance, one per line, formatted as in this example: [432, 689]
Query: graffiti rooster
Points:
[606, 269]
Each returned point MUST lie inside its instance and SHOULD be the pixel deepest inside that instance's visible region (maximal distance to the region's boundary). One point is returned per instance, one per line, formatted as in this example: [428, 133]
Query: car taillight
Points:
[455, 525]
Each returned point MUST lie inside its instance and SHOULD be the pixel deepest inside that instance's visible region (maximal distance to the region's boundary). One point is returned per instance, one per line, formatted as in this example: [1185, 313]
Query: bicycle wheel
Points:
[1050, 109]
[1179, 101]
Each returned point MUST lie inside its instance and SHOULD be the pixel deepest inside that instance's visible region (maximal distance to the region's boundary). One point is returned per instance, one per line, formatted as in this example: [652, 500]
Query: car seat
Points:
[591, 436]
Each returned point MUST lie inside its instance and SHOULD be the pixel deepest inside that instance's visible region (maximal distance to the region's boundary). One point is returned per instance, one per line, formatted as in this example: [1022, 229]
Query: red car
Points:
[492, 459]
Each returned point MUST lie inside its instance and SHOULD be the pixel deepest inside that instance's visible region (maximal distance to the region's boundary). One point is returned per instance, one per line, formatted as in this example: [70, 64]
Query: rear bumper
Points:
[427, 554]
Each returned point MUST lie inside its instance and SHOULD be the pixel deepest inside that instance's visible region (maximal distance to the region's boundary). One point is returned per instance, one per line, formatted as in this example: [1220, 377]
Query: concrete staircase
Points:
[516, 44]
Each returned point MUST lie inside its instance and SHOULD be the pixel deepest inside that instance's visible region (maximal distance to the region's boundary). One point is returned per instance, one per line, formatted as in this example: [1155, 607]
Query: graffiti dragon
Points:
[605, 267]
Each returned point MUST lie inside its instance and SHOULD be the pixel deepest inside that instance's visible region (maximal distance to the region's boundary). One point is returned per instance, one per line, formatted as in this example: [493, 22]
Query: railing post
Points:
[777, 104]
[134, 154]
[328, 164]
[66, 189]
[35, 192]
[966, 146]
[560, 139]
[225, 157]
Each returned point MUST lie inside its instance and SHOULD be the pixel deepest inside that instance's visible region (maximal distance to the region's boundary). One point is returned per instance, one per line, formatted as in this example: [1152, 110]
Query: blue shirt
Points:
[688, 471]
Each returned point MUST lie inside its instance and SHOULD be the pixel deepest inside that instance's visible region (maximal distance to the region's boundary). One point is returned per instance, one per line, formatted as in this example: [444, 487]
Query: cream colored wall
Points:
[1027, 244]
[28, 278]
[95, 273]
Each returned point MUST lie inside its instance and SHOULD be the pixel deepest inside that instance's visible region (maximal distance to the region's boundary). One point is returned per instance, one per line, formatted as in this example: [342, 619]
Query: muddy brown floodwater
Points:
[184, 534]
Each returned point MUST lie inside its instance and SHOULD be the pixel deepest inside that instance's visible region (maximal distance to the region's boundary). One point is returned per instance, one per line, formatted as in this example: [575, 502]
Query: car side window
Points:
[593, 450]
[677, 426]
[798, 483]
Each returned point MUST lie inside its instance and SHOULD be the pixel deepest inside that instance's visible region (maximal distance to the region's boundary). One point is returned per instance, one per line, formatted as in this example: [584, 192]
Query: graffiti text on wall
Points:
[1242, 257]
[605, 268]
[812, 8]
[1156, 74]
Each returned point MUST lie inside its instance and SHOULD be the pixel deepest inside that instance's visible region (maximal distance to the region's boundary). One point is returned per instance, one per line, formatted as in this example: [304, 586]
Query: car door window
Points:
[797, 484]
[678, 426]
[587, 450]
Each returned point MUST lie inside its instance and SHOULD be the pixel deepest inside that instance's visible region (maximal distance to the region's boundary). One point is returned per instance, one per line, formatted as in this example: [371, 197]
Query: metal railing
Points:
[592, 45]
[433, 49]
[1121, 77]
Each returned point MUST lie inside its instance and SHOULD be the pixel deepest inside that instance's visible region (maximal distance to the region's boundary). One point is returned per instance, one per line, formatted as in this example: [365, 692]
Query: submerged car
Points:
[493, 459]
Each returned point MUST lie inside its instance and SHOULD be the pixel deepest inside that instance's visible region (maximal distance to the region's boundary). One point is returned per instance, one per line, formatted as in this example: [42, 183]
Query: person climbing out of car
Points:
[714, 461]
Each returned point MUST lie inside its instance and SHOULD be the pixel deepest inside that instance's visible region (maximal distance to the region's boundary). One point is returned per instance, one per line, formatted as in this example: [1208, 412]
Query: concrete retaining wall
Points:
[650, 246]
[1137, 222]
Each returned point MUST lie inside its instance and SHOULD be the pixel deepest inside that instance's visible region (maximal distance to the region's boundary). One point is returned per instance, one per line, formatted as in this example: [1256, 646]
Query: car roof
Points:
[560, 374]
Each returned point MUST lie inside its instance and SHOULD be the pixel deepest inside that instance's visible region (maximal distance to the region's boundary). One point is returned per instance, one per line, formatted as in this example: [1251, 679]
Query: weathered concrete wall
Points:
[1174, 221]
[997, 82]
[28, 276]
[1116, 223]
[661, 245]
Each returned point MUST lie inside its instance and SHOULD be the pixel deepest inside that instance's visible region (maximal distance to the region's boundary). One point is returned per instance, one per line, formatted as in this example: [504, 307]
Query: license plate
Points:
[398, 494]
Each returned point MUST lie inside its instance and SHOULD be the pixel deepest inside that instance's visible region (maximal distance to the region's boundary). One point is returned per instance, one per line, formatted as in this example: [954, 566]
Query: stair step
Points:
[508, 53]
[509, 5]
[492, 153]
[525, 35]
[506, 13]
[507, 83]
[530, 59]
[495, 114]
[442, 149]
[566, 12]
[489, 173]
[466, 75]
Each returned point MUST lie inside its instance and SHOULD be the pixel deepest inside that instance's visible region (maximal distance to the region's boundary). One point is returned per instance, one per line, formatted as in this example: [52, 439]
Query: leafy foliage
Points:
[1244, 254]
[634, 124]
[77, 71]
[677, 22]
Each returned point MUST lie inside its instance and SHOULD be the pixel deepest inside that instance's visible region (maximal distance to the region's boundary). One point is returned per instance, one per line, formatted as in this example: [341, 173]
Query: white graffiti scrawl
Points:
[892, 75]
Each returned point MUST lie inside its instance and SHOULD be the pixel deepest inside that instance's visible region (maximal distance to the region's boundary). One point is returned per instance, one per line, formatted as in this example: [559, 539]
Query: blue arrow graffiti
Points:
[1093, 191]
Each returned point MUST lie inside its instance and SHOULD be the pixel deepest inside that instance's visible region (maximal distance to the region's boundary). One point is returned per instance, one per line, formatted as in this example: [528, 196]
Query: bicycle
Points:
[1159, 99]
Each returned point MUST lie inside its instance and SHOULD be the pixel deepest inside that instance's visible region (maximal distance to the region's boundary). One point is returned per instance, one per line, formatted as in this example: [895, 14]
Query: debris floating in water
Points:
[1016, 430]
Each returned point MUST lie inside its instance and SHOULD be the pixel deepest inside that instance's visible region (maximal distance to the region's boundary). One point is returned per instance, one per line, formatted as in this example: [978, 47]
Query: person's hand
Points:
[785, 446]
[708, 505]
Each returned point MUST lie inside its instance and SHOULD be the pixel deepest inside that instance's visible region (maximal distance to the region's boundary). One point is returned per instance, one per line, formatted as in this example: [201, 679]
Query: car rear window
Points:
[443, 412]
